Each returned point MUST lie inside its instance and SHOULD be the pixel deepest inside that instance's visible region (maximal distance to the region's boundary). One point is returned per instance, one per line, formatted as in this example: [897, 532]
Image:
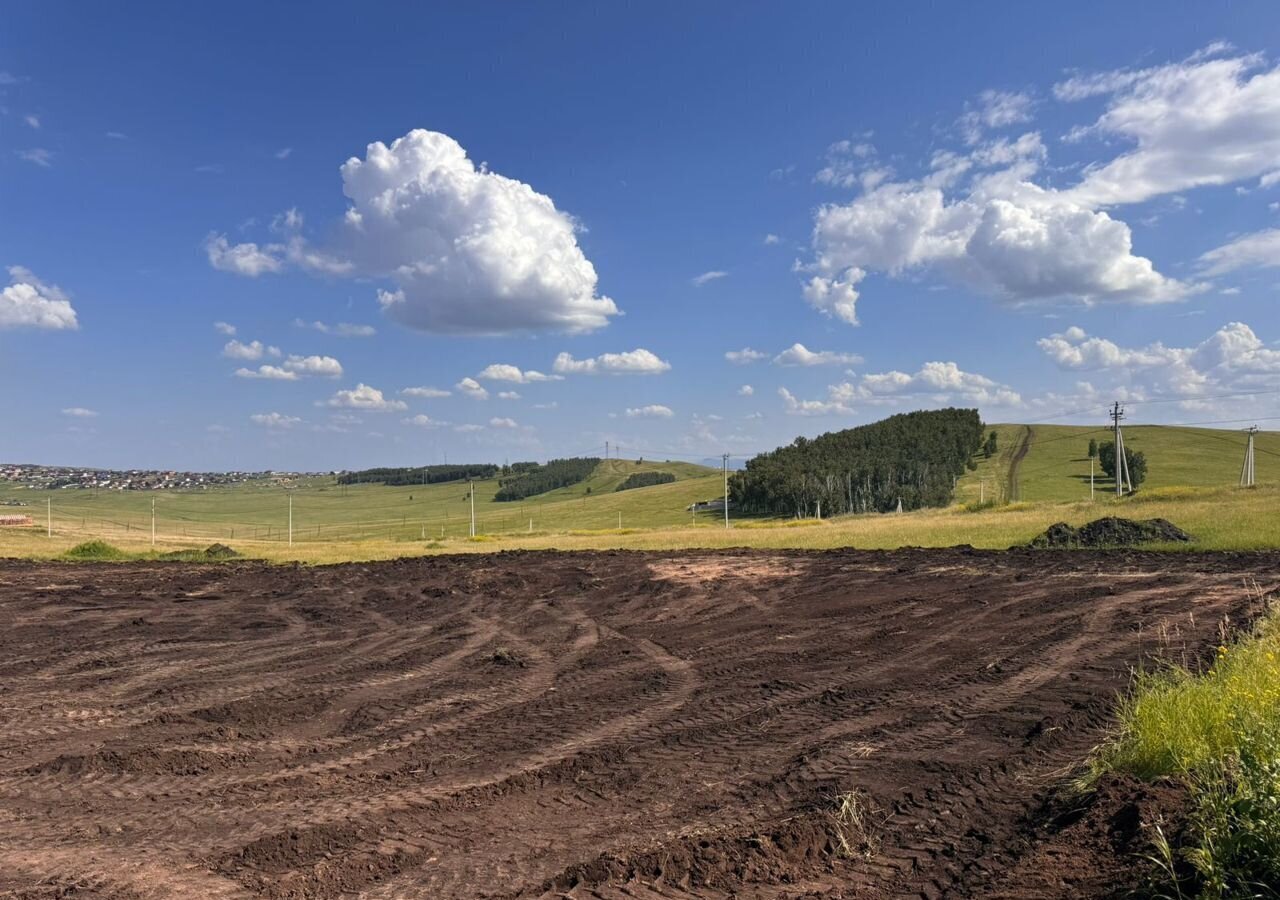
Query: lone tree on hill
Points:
[1093, 448]
[1137, 462]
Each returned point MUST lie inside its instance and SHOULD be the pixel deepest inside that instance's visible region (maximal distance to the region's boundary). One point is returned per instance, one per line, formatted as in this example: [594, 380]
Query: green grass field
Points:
[1056, 467]
[1192, 481]
[326, 511]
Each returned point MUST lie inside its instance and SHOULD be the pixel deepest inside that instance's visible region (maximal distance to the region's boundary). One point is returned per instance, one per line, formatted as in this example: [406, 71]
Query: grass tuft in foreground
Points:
[1217, 732]
[101, 551]
[96, 551]
[855, 819]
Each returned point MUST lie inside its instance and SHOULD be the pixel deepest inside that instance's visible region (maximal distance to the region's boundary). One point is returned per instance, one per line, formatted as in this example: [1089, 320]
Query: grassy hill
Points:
[325, 510]
[1193, 478]
[1056, 465]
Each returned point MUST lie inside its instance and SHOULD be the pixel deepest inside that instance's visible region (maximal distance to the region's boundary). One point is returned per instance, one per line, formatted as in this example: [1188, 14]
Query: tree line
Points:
[555, 473]
[645, 479]
[397, 476]
[912, 458]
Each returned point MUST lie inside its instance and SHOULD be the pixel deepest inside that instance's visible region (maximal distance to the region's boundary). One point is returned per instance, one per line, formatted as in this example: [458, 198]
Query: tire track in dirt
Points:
[605, 725]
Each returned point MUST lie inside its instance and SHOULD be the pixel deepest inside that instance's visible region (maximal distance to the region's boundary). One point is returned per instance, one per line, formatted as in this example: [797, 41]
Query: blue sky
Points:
[1035, 211]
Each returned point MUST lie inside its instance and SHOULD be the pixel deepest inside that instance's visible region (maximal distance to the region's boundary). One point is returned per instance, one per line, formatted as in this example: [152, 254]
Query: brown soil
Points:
[584, 725]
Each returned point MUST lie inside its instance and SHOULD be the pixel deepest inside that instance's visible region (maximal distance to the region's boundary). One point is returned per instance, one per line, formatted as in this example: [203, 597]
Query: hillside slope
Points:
[1056, 465]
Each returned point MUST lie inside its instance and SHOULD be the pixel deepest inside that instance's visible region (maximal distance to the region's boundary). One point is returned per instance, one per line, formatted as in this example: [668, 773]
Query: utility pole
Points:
[473, 509]
[1246, 473]
[1122, 458]
[291, 518]
[48, 509]
[982, 492]
[153, 521]
[606, 449]
[1091, 478]
[724, 465]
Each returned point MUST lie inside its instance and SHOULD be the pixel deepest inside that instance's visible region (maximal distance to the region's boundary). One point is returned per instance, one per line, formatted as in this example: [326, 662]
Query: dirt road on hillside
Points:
[571, 725]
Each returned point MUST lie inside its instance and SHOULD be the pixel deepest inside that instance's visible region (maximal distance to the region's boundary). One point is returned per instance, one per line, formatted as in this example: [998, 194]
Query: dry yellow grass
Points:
[1218, 518]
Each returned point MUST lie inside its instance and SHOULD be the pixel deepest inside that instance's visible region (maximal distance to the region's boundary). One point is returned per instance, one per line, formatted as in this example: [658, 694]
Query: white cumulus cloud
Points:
[269, 373]
[325, 366]
[362, 396]
[1233, 358]
[836, 297]
[1207, 120]
[797, 407]
[467, 251]
[28, 302]
[745, 355]
[988, 217]
[253, 350]
[633, 362]
[652, 411]
[800, 355]
[79, 412]
[505, 372]
[241, 259]
[470, 251]
[472, 388]
[934, 382]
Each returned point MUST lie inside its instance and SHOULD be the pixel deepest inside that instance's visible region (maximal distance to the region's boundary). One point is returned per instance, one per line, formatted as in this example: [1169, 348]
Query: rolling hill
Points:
[1054, 462]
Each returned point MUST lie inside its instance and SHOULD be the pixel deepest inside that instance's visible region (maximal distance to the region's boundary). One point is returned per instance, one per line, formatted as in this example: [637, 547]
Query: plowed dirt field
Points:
[578, 725]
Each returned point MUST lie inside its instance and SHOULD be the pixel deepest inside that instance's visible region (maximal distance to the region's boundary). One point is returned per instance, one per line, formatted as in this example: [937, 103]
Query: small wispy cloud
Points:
[284, 152]
[424, 392]
[32, 120]
[705, 277]
[37, 155]
[341, 329]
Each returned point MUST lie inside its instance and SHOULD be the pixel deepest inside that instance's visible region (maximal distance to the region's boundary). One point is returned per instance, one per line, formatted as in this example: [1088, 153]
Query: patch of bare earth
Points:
[582, 724]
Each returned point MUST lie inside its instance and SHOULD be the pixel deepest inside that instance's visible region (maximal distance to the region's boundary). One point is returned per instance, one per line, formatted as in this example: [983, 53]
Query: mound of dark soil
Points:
[219, 551]
[212, 553]
[1111, 531]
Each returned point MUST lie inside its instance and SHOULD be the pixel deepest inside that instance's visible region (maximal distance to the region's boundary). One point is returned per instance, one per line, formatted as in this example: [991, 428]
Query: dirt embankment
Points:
[583, 725]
